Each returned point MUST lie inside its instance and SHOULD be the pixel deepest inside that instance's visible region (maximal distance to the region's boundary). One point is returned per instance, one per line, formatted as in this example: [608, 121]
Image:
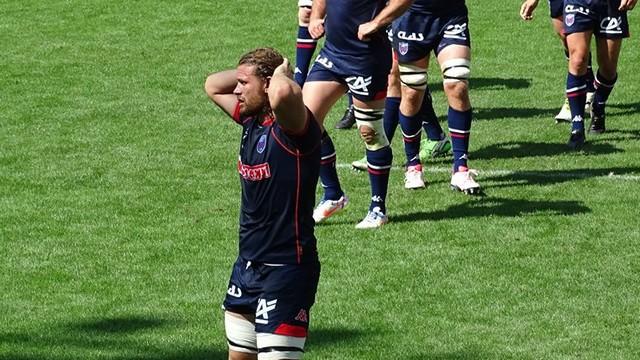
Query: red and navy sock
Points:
[460, 130]
[305, 46]
[430, 122]
[379, 162]
[411, 131]
[603, 90]
[391, 115]
[577, 95]
[328, 173]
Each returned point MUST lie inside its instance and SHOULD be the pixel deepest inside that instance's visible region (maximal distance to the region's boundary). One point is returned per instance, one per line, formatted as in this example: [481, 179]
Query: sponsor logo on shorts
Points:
[403, 48]
[262, 312]
[234, 291]
[324, 61]
[302, 316]
[569, 19]
[262, 144]
[254, 172]
[457, 31]
[359, 84]
[569, 9]
[611, 25]
[410, 37]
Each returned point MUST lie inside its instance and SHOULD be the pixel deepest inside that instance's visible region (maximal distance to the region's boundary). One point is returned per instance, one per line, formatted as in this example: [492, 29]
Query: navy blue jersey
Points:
[439, 7]
[341, 27]
[279, 174]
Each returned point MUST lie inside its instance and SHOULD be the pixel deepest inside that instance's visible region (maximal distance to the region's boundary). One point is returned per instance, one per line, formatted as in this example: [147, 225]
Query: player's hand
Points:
[527, 8]
[366, 29]
[284, 69]
[627, 5]
[316, 28]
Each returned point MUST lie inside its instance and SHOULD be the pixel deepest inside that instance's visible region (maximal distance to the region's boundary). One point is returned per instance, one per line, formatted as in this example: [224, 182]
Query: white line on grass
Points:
[543, 174]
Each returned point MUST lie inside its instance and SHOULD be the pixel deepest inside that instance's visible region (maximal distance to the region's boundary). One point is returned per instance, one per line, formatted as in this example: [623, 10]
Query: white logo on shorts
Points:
[413, 37]
[234, 291]
[359, 85]
[569, 19]
[611, 25]
[456, 31]
[403, 48]
[262, 312]
[324, 62]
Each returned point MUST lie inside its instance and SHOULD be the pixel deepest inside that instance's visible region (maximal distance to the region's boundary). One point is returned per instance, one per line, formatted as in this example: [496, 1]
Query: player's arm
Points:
[393, 10]
[625, 5]
[316, 20]
[219, 88]
[527, 8]
[285, 98]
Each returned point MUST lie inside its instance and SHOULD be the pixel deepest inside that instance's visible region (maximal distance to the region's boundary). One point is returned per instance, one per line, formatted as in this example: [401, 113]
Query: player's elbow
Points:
[210, 87]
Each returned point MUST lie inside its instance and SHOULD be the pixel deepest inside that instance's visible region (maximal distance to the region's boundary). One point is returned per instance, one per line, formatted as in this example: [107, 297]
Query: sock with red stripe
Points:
[305, 46]
[577, 95]
[328, 172]
[379, 167]
[411, 132]
[390, 118]
[459, 130]
[603, 90]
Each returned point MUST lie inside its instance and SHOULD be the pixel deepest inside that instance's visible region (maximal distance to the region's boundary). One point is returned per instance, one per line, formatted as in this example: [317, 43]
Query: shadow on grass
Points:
[489, 83]
[114, 336]
[323, 336]
[514, 149]
[523, 178]
[497, 207]
[495, 113]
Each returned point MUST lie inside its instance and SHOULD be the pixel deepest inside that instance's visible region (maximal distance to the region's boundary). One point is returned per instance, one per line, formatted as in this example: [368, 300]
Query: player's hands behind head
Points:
[284, 69]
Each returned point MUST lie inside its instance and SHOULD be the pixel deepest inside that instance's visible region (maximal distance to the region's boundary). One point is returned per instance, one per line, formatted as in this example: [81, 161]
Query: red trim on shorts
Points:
[291, 330]
[576, 93]
[380, 95]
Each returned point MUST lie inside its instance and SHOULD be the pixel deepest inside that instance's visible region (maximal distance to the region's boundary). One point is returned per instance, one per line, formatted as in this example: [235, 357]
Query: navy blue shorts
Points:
[366, 78]
[555, 8]
[280, 296]
[603, 18]
[416, 35]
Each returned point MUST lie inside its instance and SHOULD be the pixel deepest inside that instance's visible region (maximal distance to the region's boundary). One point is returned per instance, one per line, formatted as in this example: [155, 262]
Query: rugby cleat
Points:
[328, 208]
[348, 119]
[597, 124]
[434, 148]
[565, 113]
[374, 219]
[464, 181]
[576, 140]
[360, 164]
[413, 177]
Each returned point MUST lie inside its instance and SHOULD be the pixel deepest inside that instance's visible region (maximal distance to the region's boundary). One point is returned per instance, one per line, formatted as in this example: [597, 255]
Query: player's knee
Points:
[304, 15]
[456, 71]
[413, 76]
[241, 334]
[456, 89]
[276, 347]
[370, 126]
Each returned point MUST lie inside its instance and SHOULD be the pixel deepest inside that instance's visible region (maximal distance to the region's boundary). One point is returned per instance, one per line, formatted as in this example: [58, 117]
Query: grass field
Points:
[119, 198]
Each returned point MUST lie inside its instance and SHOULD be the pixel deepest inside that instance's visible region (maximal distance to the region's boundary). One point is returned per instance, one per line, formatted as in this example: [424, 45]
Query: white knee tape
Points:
[304, 3]
[369, 122]
[275, 347]
[413, 76]
[456, 70]
[241, 333]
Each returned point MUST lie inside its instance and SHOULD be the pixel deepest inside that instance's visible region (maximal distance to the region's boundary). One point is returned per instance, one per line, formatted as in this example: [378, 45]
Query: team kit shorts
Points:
[603, 18]
[416, 35]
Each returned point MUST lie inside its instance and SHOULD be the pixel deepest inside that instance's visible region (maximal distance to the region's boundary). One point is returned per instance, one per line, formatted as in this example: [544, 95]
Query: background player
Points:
[305, 47]
[356, 56]
[555, 11]
[607, 20]
[440, 26]
[275, 277]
